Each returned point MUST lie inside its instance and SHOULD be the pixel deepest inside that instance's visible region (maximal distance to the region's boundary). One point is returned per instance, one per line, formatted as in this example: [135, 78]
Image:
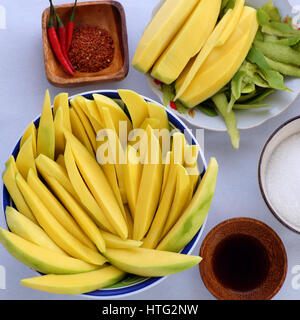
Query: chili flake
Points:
[92, 49]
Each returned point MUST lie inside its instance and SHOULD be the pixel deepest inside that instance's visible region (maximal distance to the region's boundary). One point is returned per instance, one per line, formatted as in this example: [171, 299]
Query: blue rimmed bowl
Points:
[131, 284]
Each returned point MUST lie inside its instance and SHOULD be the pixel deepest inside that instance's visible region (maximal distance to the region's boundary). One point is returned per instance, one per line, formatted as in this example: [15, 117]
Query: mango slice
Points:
[45, 135]
[160, 31]
[55, 230]
[136, 106]
[150, 187]
[60, 160]
[30, 131]
[25, 158]
[98, 185]
[79, 215]
[60, 140]
[187, 42]
[149, 262]
[187, 76]
[77, 283]
[194, 215]
[222, 63]
[28, 230]
[62, 100]
[113, 241]
[42, 259]
[158, 112]
[8, 177]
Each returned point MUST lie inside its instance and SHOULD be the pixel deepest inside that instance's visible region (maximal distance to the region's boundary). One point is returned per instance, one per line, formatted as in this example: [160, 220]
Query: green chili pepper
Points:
[286, 69]
[289, 42]
[249, 106]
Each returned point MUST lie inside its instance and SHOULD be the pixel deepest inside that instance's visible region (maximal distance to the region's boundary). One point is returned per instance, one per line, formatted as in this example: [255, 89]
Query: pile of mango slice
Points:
[86, 223]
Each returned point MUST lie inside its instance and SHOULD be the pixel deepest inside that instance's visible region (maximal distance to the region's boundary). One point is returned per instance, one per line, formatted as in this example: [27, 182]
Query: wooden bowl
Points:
[267, 238]
[109, 15]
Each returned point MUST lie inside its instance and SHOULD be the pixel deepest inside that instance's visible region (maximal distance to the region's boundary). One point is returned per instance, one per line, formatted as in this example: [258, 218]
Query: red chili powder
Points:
[92, 49]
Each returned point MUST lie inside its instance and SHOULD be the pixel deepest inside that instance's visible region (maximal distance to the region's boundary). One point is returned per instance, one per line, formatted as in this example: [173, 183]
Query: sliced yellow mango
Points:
[158, 112]
[55, 230]
[190, 72]
[149, 262]
[79, 215]
[45, 135]
[113, 241]
[60, 140]
[187, 42]
[180, 198]
[48, 167]
[57, 210]
[42, 259]
[178, 145]
[62, 100]
[160, 31]
[84, 193]
[86, 123]
[79, 131]
[220, 65]
[235, 17]
[30, 131]
[76, 283]
[167, 164]
[98, 185]
[132, 176]
[150, 187]
[136, 106]
[61, 160]
[26, 229]
[25, 158]
[117, 114]
[8, 177]
[129, 221]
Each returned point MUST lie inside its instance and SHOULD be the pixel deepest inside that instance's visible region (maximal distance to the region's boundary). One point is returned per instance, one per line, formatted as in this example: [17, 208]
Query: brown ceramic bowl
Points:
[109, 15]
[275, 253]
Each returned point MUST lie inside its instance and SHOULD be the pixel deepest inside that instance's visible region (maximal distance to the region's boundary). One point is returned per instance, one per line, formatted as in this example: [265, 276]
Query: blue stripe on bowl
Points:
[146, 282]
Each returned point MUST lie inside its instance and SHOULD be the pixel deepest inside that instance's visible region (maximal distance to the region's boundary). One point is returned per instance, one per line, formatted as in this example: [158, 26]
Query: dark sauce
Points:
[241, 262]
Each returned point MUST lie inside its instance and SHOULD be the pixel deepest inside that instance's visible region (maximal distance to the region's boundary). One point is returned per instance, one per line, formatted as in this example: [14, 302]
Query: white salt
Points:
[283, 180]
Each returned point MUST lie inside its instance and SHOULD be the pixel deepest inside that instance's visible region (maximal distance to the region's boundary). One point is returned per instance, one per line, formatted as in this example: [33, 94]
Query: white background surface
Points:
[22, 87]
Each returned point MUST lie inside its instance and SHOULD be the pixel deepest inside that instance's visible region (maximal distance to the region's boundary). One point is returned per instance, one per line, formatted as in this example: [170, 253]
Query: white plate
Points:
[279, 101]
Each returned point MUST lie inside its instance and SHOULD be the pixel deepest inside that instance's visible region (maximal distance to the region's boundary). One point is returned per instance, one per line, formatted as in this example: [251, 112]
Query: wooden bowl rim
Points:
[206, 245]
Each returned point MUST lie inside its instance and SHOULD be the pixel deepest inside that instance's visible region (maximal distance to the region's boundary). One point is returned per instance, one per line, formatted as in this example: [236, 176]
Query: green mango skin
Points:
[194, 216]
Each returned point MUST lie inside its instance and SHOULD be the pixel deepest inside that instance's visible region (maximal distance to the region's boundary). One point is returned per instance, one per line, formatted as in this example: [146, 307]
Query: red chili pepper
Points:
[62, 35]
[55, 45]
[70, 28]
[173, 105]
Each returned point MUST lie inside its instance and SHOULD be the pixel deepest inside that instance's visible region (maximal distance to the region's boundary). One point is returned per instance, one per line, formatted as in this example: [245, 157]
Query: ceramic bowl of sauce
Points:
[243, 259]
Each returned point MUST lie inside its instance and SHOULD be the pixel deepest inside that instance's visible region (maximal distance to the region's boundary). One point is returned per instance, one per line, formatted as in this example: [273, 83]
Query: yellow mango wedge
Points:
[79, 131]
[235, 17]
[158, 112]
[149, 262]
[98, 185]
[62, 100]
[187, 42]
[60, 140]
[113, 241]
[222, 62]
[136, 106]
[86, 123]
[46, 135]
[150, 187]
[117, 114]
[60, 160]
[55, 230]
[187, 76]
[25, 158]
[79, 215]
[178, 145]
[57, 210]
[180, 198]
[42, 259]
[30, 131]
[76, 283]
[26, 229]
[160, 31]
[129, 221]
[8, 177]
[132, 176]
[167, 165]
[84, 194]
[48, 167]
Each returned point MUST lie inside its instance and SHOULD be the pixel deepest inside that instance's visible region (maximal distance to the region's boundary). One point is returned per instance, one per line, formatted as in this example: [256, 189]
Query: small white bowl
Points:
[286, 130]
